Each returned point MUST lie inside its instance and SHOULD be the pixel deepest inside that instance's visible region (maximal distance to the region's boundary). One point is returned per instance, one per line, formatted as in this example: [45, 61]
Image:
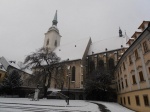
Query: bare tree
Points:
[43, 61]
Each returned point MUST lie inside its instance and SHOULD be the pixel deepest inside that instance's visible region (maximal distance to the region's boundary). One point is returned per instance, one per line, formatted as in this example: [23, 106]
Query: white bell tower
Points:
[52, 37]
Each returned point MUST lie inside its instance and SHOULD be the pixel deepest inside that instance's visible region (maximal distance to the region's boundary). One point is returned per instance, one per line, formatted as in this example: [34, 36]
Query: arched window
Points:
[111, 64]
[47, 42]
[55, 43]
[101, 64]
[92, 66]
[73, 73]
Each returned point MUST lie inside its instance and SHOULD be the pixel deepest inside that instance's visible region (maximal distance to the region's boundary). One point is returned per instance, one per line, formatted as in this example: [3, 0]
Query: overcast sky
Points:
[24, 22]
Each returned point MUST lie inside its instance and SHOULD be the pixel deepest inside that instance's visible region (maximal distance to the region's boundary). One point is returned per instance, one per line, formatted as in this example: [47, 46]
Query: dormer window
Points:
[55, 43]
[47, 42]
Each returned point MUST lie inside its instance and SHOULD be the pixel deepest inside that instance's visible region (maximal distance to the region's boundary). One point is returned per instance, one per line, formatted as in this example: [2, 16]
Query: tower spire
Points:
[55, 19]
[120, 32]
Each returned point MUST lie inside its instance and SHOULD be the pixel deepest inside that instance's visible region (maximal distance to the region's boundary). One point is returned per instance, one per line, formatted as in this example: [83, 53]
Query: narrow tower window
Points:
[55, 43]
[47, 42]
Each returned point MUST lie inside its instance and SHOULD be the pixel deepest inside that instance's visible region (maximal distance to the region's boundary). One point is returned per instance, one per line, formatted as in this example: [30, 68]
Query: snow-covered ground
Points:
[49, 105]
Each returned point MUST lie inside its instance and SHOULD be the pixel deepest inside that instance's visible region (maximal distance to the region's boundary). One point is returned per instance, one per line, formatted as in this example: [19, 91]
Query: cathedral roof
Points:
[109, 44]
[72, 51]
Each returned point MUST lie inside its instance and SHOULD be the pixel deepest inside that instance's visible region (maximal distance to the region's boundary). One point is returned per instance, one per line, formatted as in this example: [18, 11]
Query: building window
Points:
[129, 100]
[130, 60]
[92, 66]
[119, 86]
[141, 76]
[111, 64]
[122, 85]
[124, 66]
[73, 73]
[126, 82]
[136, 54]
[146, 101]
[120, 70]
[47, 42]
[121, 100]
[149, 70]
[145, 46]
[101, 64]
[124, 100]
[133, 78]
[55, 43]
[137, 100]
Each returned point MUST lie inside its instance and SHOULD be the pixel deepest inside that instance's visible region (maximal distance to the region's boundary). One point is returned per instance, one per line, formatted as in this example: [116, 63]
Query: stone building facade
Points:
[80, 55]
[132, 72]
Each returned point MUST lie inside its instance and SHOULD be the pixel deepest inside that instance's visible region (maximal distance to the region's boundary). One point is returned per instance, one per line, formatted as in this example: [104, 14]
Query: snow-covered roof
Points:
[109, 44]
[2, 68]
[24, 69]
[6, 62]
[72, 51]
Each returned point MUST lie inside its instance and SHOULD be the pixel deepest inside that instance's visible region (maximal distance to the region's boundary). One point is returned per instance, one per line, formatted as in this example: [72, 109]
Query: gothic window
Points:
[111, 63]
[101, 64]
[73, 73]
[55, 43]
[0, 75]
[92, 66]
[47, 42]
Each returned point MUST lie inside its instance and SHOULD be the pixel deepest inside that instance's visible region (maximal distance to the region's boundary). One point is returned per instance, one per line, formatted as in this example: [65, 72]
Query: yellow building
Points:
[132, 72]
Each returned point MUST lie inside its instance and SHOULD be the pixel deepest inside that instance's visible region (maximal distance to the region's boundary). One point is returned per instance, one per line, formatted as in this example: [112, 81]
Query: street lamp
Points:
[68, 84]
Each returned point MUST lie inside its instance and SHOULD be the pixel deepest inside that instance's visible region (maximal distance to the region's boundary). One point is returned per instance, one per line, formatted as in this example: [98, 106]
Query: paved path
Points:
[111, 107]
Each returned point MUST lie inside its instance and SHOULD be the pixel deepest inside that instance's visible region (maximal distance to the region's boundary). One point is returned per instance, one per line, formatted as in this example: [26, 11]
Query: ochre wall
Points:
[133, 106]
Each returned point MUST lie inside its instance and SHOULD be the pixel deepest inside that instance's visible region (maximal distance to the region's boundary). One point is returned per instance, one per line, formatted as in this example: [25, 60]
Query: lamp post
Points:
[68, 84]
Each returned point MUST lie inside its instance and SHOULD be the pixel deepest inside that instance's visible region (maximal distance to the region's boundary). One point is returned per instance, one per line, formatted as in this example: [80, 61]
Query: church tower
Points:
[52, 37]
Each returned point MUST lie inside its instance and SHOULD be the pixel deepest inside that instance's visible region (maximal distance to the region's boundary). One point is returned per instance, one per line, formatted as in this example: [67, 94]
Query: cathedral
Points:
[82, 57]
